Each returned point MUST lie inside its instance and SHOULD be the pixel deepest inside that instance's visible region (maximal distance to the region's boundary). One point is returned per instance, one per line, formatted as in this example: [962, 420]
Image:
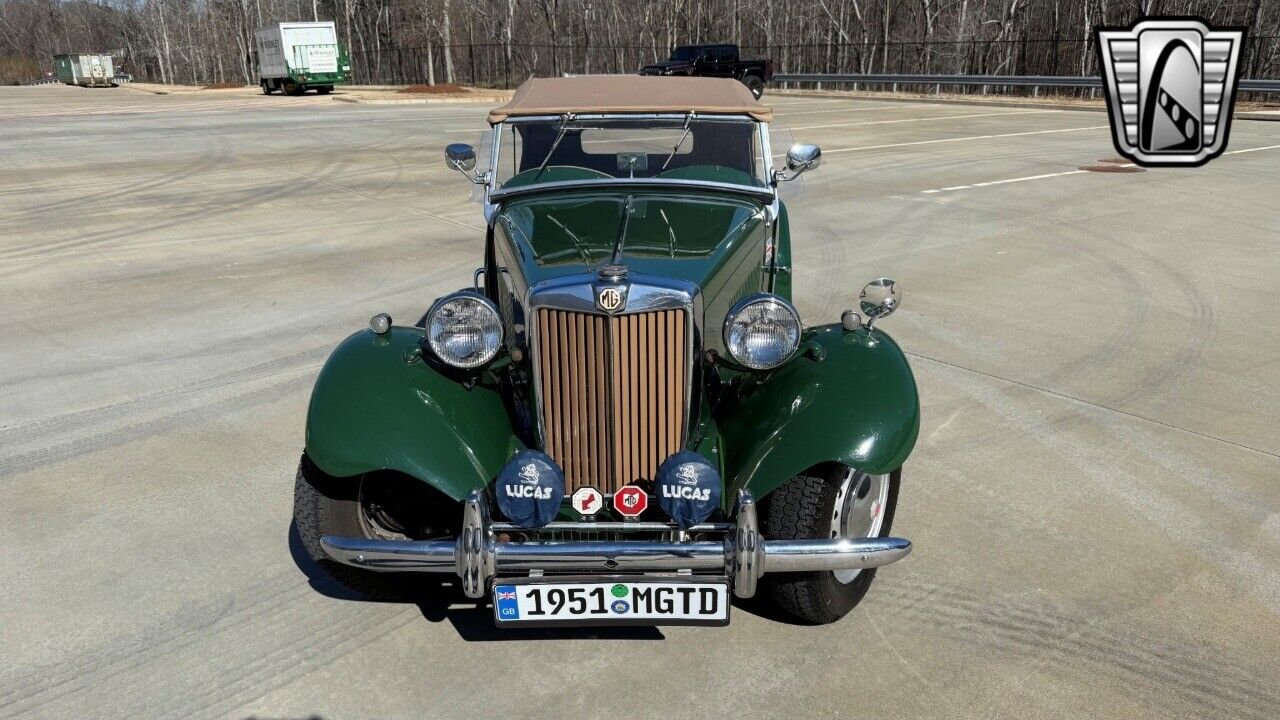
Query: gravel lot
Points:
[1095, 497]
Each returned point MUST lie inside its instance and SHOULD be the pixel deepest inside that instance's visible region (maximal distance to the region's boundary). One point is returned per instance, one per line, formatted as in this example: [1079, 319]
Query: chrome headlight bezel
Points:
[787, 312]
[492, 324]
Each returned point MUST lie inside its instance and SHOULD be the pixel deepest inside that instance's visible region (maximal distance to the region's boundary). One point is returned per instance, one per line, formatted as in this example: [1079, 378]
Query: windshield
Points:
[684, 54]
[677, 148]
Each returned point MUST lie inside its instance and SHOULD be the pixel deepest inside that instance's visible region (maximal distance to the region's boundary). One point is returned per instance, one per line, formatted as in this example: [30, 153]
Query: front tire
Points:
[831, 501]
[325, 505]
[755, 84]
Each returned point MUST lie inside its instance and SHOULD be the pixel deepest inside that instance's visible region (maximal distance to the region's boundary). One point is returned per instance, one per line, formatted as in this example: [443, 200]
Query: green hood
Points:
[698, 237]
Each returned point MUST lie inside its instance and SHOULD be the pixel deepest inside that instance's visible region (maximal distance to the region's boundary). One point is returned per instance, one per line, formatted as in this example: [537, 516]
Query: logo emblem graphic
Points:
[619, 590]
[620, 607]
[529, 474]
[587, 501]
[1171, 87]
[687, 475]
[630, 501]
[609, 299]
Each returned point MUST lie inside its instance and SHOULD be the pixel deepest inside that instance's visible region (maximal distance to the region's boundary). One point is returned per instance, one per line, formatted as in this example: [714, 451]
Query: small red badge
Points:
[630, 501]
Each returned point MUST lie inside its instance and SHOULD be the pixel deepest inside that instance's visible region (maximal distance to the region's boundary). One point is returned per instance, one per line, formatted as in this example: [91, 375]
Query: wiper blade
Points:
[577, 241]
[687, 119]
[623, 222]
[564, 126]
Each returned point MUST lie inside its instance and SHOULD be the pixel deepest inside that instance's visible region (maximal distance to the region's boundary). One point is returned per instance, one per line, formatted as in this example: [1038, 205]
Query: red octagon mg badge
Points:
[630, 501]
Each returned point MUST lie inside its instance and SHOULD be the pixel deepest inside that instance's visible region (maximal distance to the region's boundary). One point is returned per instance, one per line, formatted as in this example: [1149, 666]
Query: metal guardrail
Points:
[1032, 81]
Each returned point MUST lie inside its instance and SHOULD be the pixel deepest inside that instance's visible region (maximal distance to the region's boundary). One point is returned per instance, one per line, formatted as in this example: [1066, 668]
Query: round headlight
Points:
[464, 330]
[762, 331]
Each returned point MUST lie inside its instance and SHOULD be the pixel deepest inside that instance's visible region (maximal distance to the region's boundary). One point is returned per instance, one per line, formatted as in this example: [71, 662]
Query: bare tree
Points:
[501, 41]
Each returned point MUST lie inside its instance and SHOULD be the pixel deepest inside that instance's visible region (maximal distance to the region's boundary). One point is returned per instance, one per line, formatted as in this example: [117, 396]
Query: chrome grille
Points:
[613, 393]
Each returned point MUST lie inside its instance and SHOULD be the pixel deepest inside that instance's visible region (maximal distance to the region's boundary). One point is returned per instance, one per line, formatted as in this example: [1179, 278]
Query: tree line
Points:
[502, 42]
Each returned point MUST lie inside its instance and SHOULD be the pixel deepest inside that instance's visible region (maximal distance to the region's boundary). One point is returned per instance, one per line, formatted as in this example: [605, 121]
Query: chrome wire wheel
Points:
[859, 511]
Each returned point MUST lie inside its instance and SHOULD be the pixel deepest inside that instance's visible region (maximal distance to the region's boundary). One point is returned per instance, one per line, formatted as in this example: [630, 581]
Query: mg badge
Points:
[1171, 87]
[610, 298]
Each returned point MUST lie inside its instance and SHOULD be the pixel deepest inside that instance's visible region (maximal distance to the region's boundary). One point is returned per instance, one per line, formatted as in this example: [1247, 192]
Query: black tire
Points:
[802, 509]
[266, 88]
[755, 84]
[325, 505]
[293, 89]
[324, 90]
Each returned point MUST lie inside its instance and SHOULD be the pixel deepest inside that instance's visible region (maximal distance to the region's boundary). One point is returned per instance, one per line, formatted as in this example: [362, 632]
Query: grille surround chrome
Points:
[578, 293]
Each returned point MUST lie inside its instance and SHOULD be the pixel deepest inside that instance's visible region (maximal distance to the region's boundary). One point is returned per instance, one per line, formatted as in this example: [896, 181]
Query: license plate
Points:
[621, 601]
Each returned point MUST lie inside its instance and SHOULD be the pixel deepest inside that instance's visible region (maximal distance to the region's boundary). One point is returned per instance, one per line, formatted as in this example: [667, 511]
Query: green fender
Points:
[847, 396]
[378, 406]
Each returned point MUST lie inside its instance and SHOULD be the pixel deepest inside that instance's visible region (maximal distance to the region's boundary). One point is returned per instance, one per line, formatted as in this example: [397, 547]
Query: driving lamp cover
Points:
[689, 488]
[529, 489]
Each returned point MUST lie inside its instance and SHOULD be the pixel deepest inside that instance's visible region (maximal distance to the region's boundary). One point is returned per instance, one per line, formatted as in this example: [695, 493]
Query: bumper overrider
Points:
[481, 553]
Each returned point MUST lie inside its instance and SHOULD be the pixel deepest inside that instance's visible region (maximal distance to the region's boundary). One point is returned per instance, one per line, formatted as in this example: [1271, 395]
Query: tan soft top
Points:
[630, 94]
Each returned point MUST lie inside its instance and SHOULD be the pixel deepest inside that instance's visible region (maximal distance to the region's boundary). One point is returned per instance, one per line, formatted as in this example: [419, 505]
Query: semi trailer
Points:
[294, 57]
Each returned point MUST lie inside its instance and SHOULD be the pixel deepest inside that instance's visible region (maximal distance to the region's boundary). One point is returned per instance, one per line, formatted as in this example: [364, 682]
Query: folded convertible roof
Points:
[630, 94]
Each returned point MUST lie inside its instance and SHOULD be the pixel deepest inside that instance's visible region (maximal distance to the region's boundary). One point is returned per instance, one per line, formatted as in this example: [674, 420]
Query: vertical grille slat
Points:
[613, 393]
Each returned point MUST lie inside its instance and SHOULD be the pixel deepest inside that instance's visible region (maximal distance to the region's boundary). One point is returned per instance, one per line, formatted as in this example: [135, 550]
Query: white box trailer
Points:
[296, 56]
[85, 69]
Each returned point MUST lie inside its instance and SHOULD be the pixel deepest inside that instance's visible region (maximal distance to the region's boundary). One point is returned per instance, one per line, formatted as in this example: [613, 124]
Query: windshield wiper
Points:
[577, 241]
[687, 119]
[622, 232]
[564, 125]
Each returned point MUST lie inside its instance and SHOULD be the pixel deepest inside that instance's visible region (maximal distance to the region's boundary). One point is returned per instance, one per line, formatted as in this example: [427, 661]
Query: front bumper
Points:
[477, 556]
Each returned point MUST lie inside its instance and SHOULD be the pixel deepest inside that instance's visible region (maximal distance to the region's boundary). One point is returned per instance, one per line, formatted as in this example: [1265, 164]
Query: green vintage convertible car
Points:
[624, 420]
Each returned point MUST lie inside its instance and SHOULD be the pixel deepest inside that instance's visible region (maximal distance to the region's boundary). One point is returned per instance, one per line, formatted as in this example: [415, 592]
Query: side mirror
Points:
[803, 157]
[879, 299]
[460, 157]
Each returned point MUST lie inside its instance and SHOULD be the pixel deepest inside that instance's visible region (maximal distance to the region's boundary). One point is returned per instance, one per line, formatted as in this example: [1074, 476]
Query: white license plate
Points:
[612, 602]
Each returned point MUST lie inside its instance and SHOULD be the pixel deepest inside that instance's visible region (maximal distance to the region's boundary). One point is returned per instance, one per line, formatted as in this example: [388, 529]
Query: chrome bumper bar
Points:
[744, 556]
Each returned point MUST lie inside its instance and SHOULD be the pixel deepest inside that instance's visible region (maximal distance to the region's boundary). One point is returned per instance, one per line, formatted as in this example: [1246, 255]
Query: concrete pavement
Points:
[1095, 496]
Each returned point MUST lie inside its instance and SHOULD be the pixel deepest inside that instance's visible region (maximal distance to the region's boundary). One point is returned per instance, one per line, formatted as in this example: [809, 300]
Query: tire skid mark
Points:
[1055, 638]
[305, 620]
[1136, 311]
[1164, 512]
[205, 208]
[248, 682]
[1196, 337]
[37, 429]
[81, 202]
[251, 397]
[93, 667]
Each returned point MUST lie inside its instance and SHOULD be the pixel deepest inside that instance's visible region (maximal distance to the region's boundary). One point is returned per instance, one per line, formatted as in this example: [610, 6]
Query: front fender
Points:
[847, 396]
[377, 406]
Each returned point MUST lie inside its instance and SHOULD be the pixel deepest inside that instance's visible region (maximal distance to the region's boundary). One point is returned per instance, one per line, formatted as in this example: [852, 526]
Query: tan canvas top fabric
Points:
[630, 93]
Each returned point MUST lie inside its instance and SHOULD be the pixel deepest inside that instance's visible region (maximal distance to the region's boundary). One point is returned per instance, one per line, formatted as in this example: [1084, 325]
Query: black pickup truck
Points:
[715, 61]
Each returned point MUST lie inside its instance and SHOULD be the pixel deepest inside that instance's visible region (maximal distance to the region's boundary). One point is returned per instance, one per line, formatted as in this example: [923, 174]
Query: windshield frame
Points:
[767, 191]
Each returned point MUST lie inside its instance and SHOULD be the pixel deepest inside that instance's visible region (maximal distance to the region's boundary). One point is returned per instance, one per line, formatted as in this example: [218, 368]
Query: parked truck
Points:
[85, 70]
[294, 57]
[715, 61]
